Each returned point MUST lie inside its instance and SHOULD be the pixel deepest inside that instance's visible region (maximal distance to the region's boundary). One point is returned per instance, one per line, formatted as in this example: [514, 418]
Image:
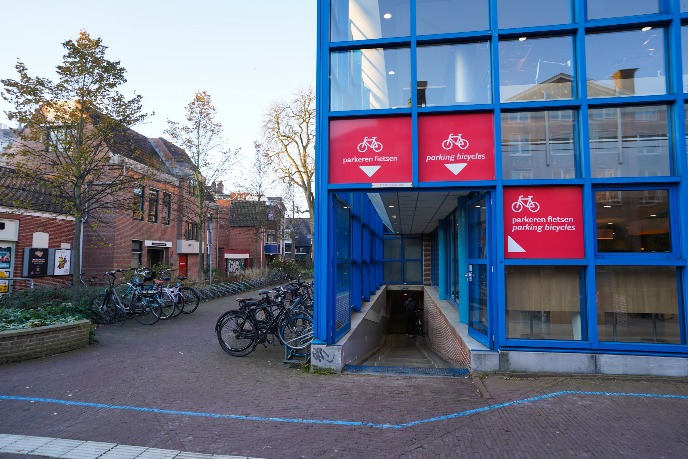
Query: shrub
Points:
[43, 306]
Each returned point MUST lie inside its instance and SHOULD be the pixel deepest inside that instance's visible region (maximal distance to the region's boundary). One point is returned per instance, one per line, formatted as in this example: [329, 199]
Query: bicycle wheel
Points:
[178, 304]
[146, 311]
[296, 331]
[167, 305]
[102, 309]
[237, 333]
[191, 299]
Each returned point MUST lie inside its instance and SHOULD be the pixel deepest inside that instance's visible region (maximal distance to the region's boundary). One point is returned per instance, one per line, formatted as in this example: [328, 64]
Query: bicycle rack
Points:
[302, 357]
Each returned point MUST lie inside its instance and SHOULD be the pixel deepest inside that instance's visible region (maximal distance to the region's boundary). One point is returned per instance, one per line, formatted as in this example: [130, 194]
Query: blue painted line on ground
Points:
[338, 422]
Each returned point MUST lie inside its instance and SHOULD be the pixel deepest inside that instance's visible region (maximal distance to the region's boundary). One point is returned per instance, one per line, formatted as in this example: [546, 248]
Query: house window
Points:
[191, 186]
[136, 250]
[191, 232]
[166, 208]
[153, 206]
[137, 203]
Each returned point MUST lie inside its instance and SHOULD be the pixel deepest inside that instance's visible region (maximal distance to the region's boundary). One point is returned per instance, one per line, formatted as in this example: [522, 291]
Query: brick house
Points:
[30, 218]
[159, 225]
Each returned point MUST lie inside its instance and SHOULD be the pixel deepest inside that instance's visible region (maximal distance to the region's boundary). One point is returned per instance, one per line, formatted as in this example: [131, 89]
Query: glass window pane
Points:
[477, 230]
[413, 248]
[369, 19]
[633, 221]
[392, 249]
[684, 5]
[539, 144]
[684, 56]
[343, 233]
[413, 272]
[539, 13]
[343, 295]
[629, 141]
[392, 272]
[450, 16]
[369, 79]
[637, 65]
[637, 304]
[598, 9]
[451, 74]
[536, 69]
[544, 302]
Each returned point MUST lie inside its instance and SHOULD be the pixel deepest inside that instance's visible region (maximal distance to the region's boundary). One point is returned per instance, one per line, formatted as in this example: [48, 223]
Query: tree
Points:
[256, 180]
[202, 139]
[69, 129]
[289, 141]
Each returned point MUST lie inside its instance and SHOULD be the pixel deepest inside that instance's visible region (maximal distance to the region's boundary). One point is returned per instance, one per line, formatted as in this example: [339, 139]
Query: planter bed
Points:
[33, 343]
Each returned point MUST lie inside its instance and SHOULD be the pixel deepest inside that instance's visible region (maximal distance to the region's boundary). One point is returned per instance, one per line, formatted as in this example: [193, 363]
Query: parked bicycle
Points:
[133, 302]
[255, 322]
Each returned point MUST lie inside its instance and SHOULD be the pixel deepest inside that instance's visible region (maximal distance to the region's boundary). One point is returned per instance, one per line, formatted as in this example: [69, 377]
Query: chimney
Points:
[624, 82]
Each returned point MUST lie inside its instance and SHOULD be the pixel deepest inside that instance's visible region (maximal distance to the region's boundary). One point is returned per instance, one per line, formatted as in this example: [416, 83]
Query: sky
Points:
[245, 54]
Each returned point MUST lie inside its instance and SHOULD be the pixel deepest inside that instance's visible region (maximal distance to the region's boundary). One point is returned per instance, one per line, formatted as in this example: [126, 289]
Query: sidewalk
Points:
[171, 387]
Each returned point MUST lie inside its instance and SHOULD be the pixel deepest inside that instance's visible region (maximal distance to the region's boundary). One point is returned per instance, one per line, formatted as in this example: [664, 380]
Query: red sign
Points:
[376, 151]
[456, 147]
[543, 222]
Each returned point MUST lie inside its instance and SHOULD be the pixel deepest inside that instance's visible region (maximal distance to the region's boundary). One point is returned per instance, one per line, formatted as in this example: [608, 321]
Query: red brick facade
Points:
[60, 231]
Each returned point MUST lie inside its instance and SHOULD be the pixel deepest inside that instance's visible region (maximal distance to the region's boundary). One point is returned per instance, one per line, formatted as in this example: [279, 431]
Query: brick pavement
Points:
[209, 402]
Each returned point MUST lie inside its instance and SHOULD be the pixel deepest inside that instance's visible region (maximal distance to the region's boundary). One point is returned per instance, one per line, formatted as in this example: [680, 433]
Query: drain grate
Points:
[406, 370]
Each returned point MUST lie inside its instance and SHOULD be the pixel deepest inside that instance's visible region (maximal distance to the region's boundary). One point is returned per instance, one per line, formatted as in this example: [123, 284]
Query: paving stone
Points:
[193, 398]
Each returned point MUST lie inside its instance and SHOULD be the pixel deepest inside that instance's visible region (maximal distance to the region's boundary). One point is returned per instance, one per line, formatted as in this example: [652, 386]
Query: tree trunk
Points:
[76, 261]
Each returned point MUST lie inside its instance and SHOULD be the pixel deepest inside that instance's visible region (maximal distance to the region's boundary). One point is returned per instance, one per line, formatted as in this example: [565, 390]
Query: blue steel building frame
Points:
[369, 225]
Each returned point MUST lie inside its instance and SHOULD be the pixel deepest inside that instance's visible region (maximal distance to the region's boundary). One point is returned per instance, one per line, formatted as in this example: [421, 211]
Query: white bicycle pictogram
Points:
[455, 139]
[525, 203]
[370, 142]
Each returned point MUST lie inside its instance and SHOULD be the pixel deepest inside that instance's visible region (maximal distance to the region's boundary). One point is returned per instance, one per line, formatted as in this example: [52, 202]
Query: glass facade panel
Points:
[450, 16]
[539, 13]
[629, 141]
[392, 249]
[413, 248]
[637, 65]
[477, 231]
[638, 304]
[478, 318]
[539, 145]
[392, 272]
[684, 57]
[453, 74]
[633, 221]
[369, 19]
[536, 69]
[413, 272]
[598, 9]
[369, 79]
[544, 302]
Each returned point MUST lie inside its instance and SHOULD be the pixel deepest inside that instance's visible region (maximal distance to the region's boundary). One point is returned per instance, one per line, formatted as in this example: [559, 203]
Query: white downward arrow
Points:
[369, 170]
[456, 167]
[514, 246]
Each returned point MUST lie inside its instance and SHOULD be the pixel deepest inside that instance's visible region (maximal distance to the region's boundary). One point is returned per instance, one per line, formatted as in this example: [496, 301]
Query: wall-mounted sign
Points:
[371, 150]
[543, 222]
[37, 259]
[62, 262]
[4, 284]
[157, 244]
[456, 147]
[5, 257]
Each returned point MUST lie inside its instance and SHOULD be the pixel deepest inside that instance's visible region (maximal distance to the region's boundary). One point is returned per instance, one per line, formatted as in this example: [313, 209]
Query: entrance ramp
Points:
[405, 355]
[369, 338]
